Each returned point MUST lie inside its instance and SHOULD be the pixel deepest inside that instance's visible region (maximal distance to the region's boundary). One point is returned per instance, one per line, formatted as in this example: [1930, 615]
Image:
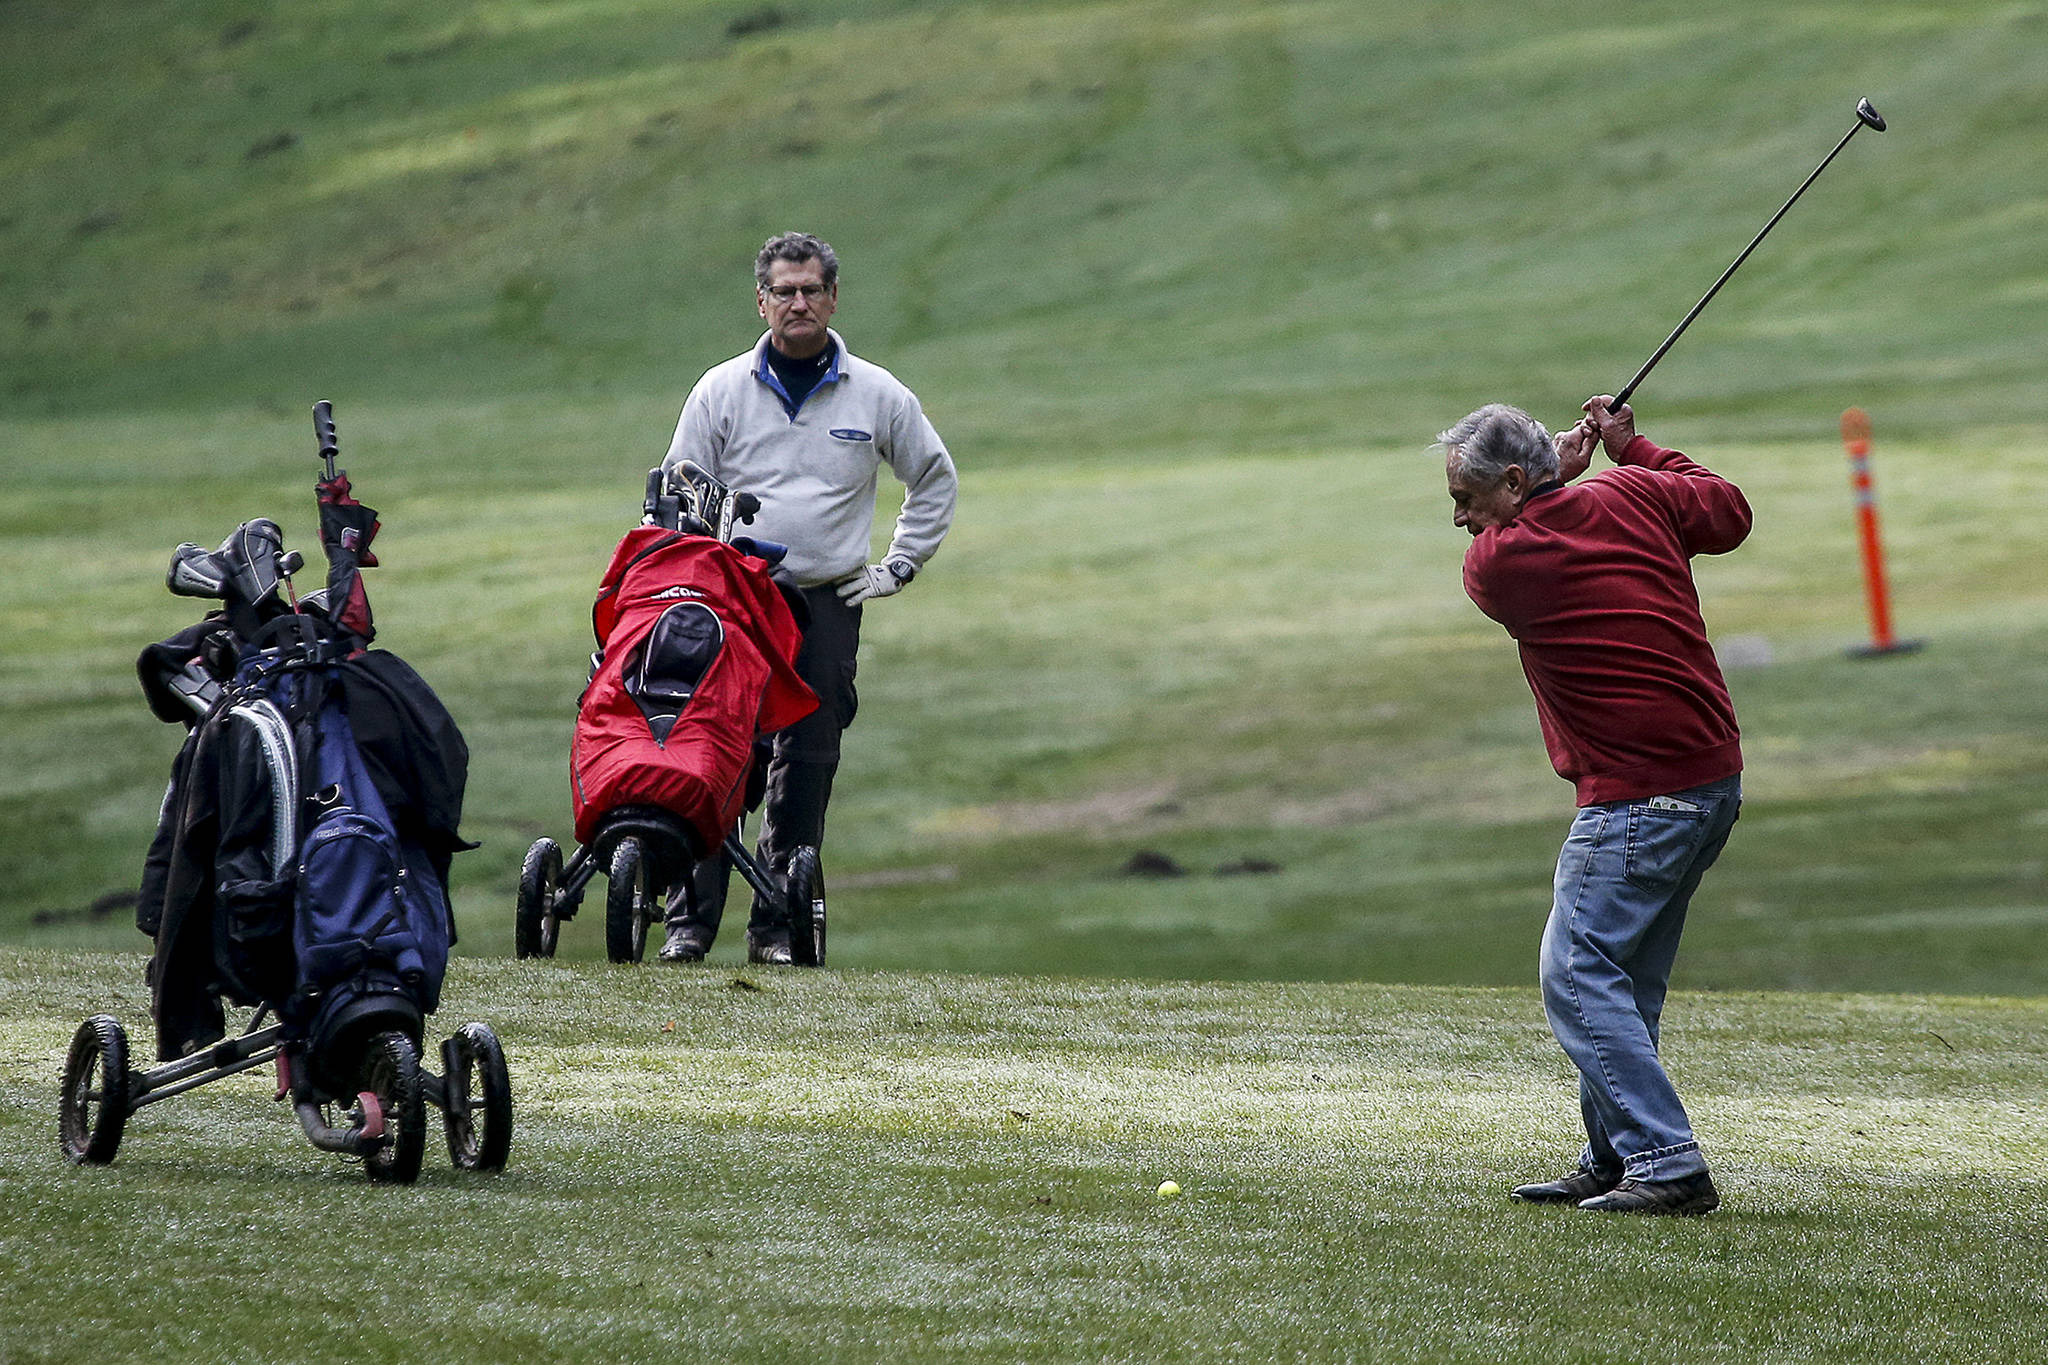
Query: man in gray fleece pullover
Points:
[805, 425]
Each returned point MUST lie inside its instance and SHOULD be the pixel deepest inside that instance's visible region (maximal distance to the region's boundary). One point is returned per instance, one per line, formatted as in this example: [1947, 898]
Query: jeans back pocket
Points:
[1663, 840]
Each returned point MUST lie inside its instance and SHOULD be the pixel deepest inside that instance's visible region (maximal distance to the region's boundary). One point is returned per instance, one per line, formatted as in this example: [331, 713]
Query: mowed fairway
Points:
[786, 1166]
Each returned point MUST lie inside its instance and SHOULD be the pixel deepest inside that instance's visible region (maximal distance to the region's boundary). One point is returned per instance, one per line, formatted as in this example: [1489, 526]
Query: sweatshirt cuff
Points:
[1640, 450]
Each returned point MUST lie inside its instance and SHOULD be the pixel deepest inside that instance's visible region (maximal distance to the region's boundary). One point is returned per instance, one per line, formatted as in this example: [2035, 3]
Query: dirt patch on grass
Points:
[1116, 809]
[936, 874]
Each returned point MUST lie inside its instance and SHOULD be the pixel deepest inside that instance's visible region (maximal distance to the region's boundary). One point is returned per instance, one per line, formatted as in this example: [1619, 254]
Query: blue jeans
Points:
[800, 773]
[1624, 879]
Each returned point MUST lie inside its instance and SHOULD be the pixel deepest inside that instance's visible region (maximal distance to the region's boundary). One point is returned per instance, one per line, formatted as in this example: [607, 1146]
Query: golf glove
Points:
[877, 580]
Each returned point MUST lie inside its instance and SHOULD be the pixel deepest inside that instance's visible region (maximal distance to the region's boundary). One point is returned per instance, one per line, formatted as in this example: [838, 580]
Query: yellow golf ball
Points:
[1168, 1190]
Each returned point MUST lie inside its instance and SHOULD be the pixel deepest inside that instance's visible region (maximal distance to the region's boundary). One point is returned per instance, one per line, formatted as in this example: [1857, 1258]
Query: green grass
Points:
[1107, 660]
[860, 1165]
[1076, 226]
[1187, 288]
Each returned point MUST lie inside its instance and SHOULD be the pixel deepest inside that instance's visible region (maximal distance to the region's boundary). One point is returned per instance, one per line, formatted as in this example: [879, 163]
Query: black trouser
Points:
[806, 756]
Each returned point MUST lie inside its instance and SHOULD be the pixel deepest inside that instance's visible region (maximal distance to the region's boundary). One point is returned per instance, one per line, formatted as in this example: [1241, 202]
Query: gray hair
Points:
[1496, 436]
[796, 248]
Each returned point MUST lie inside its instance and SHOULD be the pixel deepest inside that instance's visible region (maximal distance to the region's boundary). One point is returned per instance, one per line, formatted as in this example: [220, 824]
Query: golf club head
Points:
[1867, 111]
[704, 498]
[671, 503]
[251, 555]
[196, 573]
[194, 686]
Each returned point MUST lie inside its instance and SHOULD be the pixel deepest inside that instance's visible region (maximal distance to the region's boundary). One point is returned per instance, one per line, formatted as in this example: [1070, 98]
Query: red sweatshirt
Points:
[1594, 582]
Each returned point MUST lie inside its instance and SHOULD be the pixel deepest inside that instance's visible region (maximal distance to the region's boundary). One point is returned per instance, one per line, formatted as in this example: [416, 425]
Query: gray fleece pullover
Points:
[816, 472]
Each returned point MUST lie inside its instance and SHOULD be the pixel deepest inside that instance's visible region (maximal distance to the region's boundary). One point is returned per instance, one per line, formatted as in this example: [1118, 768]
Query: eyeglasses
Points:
[783, 293]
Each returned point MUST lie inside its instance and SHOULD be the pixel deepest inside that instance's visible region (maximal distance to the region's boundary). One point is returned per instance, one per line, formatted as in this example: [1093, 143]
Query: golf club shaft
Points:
[1679, 330]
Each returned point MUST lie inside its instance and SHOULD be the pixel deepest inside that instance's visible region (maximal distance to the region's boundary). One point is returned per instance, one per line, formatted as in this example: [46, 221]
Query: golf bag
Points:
[696, 650]
[300, 867]
[696, 663]
[301, 859]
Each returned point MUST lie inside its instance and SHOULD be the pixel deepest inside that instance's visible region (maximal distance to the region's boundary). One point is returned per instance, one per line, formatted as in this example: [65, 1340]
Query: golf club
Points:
[196, 573]
[1866, 116]
[253, 557]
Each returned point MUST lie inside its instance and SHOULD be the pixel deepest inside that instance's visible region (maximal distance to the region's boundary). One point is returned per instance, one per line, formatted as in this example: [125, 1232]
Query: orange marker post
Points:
[1856, 442]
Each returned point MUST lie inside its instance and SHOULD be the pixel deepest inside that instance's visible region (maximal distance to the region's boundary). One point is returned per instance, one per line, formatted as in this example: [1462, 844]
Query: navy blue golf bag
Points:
[365, 905]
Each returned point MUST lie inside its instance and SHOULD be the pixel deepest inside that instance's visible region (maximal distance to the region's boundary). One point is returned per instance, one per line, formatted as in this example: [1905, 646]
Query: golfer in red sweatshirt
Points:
[1593, 580]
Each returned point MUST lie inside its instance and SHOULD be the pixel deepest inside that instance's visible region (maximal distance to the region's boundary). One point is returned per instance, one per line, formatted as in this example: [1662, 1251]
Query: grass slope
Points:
[1187, 287]
[859, 1165]
[1081, 226]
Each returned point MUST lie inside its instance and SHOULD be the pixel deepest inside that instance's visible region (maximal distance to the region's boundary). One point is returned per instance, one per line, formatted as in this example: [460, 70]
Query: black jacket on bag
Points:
[214, 898]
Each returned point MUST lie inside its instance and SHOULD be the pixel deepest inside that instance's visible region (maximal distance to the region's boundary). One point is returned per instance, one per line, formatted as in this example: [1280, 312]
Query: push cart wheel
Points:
[390, 1071]
[479, 1124]
[93, 1110]
[628, 904]
[805, 889]
[538, 925]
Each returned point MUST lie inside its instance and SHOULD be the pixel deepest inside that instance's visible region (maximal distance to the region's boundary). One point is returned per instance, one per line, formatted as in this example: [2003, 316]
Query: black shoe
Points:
[686, 943]
[771, 950]
[1575, 1188]
[1685, 1197]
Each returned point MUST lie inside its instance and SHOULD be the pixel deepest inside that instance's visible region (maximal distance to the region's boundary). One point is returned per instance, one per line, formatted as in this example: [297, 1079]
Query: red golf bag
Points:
[696, 661]
[696, 658]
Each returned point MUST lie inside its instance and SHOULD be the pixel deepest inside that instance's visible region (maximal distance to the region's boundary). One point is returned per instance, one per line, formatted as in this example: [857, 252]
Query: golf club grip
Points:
[323, 431]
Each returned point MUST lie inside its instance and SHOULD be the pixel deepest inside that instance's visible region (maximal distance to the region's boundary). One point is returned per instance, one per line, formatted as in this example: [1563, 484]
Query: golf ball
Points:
[1168, 1190]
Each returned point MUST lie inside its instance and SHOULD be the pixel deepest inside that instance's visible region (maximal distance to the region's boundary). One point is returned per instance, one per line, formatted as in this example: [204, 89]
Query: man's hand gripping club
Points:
[1613, 428]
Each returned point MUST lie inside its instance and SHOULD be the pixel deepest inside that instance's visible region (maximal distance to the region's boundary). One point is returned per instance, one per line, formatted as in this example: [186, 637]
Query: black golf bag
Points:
[300, 867]
[302, 858]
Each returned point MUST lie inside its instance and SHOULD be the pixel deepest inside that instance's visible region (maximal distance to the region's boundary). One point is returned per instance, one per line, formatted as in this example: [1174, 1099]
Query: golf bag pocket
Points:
[349, 897]
[367, 902]
[256, 928]
[667, 667]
